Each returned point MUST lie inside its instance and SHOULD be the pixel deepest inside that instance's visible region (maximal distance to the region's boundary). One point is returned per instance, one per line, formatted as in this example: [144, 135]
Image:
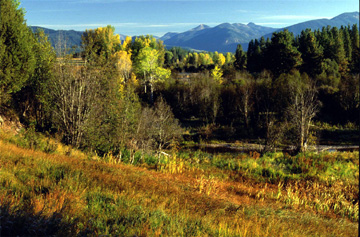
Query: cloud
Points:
[83, 26]
[270, 23]
[131, 28]
[293, 17]
[125, 24]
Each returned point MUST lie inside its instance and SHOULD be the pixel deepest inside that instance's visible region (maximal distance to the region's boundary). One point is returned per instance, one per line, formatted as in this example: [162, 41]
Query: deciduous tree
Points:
[302, 105]
[73, 91]
[100, 44]
[148, 67]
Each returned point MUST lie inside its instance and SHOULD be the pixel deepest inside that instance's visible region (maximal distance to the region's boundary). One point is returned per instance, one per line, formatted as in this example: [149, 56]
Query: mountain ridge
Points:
[238, 33]
[337, 21]
[222, 38]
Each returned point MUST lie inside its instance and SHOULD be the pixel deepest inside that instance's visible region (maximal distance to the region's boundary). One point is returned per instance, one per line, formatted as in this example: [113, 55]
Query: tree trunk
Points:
[151, 94]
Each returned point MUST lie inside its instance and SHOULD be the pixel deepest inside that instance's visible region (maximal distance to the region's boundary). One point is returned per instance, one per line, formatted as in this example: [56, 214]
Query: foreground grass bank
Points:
[186, 194]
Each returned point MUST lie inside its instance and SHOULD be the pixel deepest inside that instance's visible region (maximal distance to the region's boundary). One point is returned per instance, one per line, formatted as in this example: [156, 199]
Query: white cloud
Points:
[92, 25]
[125, 24]
[293, 17]
[270, 23]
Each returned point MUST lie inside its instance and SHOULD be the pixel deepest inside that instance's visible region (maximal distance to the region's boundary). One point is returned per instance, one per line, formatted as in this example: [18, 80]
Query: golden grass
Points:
[121, 199]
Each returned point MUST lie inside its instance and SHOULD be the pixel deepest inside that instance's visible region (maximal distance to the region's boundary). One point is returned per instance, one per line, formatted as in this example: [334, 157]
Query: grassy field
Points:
[49, 189]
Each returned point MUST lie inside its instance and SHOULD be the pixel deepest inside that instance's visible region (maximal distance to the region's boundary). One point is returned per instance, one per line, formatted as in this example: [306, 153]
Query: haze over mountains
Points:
[222, 38]
[342, 19]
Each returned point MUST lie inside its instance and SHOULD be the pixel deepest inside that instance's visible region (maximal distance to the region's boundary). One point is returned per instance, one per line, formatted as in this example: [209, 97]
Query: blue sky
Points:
[140, 17]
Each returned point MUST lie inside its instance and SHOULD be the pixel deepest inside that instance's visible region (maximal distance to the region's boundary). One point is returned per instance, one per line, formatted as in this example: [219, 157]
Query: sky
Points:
[142, 17]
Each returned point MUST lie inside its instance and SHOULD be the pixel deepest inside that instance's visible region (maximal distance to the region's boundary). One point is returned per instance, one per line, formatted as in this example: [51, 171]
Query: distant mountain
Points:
[168, 36]
[72, 37]
[223, 38]
[342, 19]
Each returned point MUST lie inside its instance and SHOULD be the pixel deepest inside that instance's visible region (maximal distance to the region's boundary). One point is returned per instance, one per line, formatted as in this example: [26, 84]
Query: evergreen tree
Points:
[355, 36]
[33, 100]
[345, 32]
[311, 53]
[169, 56]
[325, 41]
[337, 50]
[262, 43]
[240, 58]
[16, 57]
[281, 55]
[355, 60]
[254, 56]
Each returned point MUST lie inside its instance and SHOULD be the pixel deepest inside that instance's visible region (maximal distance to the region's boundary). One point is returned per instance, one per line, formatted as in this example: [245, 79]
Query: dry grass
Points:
[75, 195]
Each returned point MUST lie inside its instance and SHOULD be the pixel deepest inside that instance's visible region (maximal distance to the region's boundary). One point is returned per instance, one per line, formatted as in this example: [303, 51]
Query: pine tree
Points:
[355, 60]
[33, 100]
[325, 40]
[240, 58]
[254, 56]
[281, 55]
[337, 50]
[345, 33]
[355, 36]
[311, 53]
[16, 57]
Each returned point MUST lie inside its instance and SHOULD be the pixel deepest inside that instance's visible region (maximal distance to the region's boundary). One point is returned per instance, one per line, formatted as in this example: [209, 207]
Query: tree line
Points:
[127, 95]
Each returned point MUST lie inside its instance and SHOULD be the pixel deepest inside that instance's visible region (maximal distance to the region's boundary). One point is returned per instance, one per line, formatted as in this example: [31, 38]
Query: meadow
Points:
[47, 188]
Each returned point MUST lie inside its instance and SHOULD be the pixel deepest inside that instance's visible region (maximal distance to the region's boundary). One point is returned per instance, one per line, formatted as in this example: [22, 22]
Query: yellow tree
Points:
[123, 66]
[100, 44]
[127, 45]
[187, 59]
[147, 41]
[217, 74]
[205, 59]
[229, 58]
[148, 66]
[219, 59]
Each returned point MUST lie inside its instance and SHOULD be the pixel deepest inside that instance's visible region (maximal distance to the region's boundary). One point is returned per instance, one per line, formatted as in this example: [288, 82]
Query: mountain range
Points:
[338, 21]
[71, 37]
[222, 38]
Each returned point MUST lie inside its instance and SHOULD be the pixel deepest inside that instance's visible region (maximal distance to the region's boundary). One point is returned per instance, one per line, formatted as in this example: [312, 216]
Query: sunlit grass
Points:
[67, 192]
